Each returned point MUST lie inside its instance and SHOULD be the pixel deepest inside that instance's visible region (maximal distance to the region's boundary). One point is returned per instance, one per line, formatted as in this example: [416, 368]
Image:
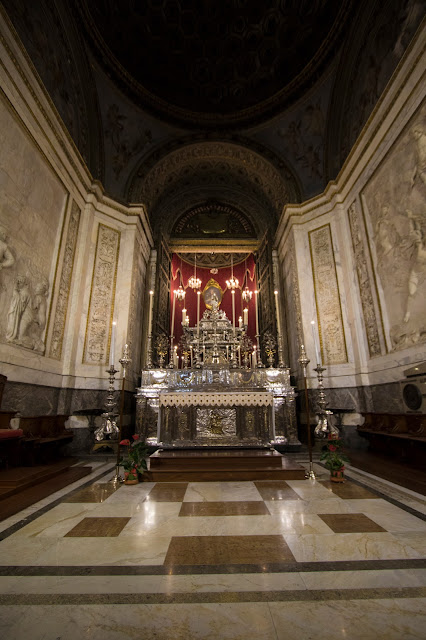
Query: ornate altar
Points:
[222, 395]
[217, 406]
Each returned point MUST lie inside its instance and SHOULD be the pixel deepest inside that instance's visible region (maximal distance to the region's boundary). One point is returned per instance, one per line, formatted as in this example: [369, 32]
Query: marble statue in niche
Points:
[394, 202]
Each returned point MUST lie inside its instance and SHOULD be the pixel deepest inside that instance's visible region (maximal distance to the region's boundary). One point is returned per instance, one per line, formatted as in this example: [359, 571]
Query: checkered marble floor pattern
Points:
[297, 559]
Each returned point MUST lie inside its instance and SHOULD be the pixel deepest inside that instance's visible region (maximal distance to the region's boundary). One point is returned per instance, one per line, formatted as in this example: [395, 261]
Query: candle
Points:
[175, 358]
[198, 313]
[314, 334]
[277, 311]
[191, 355]
[254, 358]
[183, 316]
[172, 329]
[257, 312]
[227, 348]
[151, 300]
[233, 309]
[239, 356]
[112, 345]
[245, 317]
[240, 322]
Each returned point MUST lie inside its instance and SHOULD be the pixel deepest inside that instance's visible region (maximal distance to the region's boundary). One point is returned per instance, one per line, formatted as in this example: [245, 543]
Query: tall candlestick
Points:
[257, 312]
[233, 309]
[314, 334]
[172, 329]
[198, 313]
[183, 316]
[151, 300]
[240, 322]
[112, 344]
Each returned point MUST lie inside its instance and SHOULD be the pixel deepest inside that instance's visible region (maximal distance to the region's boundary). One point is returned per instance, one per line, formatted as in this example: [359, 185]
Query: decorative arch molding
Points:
[189, 164]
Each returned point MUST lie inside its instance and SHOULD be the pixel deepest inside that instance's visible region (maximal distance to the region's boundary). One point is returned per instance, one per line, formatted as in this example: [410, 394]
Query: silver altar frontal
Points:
[217, 406]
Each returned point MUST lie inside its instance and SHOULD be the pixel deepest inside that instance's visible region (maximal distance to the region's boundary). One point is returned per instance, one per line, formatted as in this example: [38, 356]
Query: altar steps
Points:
[212, 465]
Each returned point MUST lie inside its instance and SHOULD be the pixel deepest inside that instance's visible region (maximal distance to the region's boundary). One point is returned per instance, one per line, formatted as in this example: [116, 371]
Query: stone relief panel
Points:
[136, 312]
[394, 207]
[102, 296]
[294, 311]
[32, 202]
[61, 306]
[365, 288]
[327, 297]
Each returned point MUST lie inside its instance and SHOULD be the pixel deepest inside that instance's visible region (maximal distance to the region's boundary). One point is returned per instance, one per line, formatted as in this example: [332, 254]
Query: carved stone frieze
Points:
[327, 296]
[295, 310]
[61, 306]
[102, 296]
[365, 289]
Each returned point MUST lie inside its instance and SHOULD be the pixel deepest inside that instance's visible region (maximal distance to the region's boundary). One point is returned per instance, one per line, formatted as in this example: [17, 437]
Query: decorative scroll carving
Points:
[294, 294]
[102, 296]
[365, 290]
[65, 284]
[135, 306]
[327, 296]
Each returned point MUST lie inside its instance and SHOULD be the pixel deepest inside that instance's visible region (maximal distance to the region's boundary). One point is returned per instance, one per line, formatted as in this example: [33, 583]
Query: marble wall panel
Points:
[61, 303]
[102, 296]
[394, 209]
[32, 203]
[327, 297]
[371, 321]
[137, 314]
[30, 399]
[294, 328]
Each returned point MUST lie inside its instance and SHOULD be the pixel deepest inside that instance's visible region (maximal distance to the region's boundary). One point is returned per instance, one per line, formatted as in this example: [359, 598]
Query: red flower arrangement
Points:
[135, 461]
[333, 455]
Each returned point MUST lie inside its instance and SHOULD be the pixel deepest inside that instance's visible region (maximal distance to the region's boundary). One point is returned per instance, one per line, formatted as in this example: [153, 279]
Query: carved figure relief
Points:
[61, 306]
[102, 296]
[26, 318]
[365, 291]
[394, 206]
[6, 256]
[327, 296]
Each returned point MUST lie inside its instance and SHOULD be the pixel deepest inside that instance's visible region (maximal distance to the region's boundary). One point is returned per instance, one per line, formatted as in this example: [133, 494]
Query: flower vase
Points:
[337, 475]
[131, 477]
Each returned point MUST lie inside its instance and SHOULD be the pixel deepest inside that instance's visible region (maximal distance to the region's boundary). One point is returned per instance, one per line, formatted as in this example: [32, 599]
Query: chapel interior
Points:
[212, 242]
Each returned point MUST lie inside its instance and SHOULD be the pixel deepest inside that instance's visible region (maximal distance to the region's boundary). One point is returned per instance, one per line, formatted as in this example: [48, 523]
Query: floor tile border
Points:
[218, 597]
[152, 570]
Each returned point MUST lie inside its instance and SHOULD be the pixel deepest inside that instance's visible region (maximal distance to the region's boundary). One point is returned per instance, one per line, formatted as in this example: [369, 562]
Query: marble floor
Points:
[301, 559]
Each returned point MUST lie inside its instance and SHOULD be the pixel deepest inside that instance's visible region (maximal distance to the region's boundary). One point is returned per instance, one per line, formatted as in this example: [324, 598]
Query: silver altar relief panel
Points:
[61, 306]
[102, 295]
[327, 297]
[216, 423]
[365, 289]
[393, 202]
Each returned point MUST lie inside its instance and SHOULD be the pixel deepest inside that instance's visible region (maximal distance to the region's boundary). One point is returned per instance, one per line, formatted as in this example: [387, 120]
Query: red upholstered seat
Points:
[10, 433]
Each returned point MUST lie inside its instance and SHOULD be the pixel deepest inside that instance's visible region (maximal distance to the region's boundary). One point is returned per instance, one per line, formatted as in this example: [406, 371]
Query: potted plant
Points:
[134, 464]
[333, 457]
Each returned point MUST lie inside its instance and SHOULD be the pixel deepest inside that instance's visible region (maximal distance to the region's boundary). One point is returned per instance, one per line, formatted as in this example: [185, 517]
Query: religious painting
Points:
[394, 209]
[212, 294]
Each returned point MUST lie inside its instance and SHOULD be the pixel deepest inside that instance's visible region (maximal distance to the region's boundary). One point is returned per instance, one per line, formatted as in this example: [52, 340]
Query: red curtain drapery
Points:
[181, 271]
